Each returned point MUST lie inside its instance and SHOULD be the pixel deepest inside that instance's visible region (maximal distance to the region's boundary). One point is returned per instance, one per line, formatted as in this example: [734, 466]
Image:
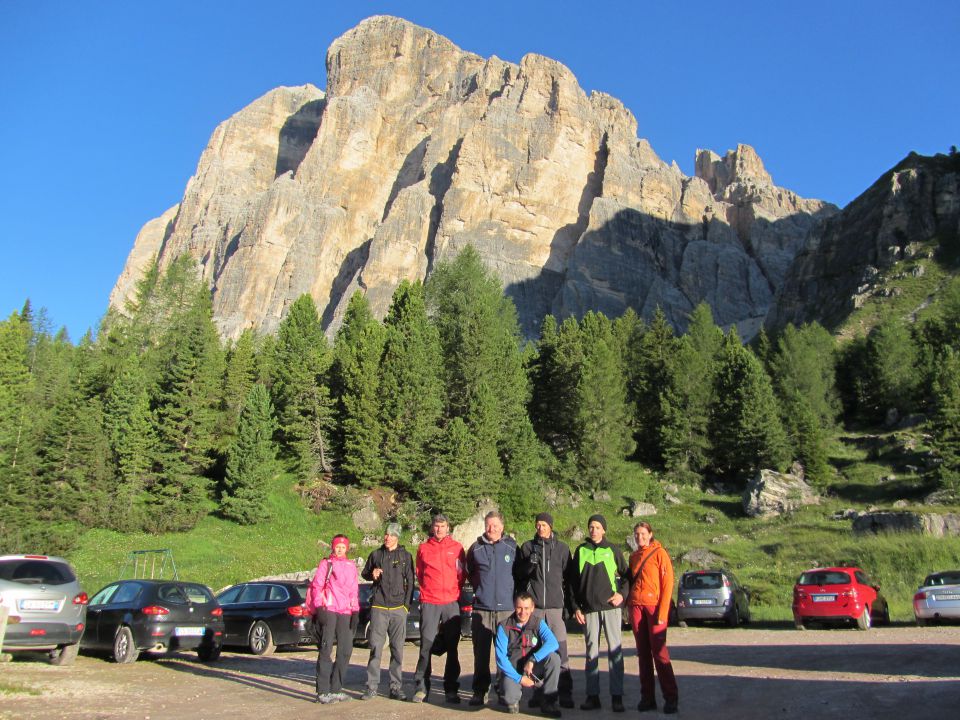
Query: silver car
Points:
[938, 598]
[47, 608]
[712, 595]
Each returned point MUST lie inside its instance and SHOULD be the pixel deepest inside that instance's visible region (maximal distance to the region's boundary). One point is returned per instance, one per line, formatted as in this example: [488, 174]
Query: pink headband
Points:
[341, 540]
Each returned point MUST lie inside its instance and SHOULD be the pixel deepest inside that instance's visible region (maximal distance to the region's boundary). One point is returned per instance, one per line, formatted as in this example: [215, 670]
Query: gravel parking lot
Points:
[896, 672]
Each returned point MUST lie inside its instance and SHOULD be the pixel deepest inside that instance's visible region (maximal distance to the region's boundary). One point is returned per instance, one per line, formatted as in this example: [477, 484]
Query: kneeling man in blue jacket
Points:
[527, 656]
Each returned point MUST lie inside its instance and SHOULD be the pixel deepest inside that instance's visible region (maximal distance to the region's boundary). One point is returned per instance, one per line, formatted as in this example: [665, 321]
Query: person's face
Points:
[390, 541]
[441, 529]
[642, 536]
[595, 531]
[523, 609]
[340, 550]
[494, 529]
[543, 529]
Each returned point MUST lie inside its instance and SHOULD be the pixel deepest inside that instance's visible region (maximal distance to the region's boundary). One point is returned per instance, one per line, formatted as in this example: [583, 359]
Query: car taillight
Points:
[217, 612]
[920, 595]
[81, 599]
[726, 583]
[155, 610]
[297, 611]
[37, 632]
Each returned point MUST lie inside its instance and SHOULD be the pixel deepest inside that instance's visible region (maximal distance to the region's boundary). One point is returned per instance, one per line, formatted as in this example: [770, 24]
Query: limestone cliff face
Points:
[915, 202]
[418, 149]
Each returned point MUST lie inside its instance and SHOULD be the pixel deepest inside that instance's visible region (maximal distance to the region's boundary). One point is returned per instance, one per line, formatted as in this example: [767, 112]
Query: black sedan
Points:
[157, 616]
[262, 615]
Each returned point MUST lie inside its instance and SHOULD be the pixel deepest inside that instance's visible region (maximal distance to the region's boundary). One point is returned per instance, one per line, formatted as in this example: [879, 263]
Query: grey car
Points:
[712, 595]
[47, 608]
[938, 598]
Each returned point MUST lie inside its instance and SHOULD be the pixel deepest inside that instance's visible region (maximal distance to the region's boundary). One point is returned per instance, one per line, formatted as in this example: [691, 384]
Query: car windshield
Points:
[824, 577]
[945, 578]
[184, 593]
[32, 571]
[702, 581]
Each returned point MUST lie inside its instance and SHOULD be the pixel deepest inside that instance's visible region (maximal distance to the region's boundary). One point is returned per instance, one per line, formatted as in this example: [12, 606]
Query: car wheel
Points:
[124, 648]
[798, 624]
[863, 622]
[682, 623]
[885, 618]
[733, 619]
[921, 622]
[209, 653]
[64, 654]
[261, 639]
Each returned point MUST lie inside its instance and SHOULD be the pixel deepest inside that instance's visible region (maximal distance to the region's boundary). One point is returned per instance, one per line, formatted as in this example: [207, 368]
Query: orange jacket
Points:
[652, 585]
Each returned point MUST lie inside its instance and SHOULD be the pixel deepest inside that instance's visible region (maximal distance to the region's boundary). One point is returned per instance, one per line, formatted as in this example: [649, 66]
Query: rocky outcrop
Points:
[913, 204]
[772, 493]
[932, 524]
[418, 149]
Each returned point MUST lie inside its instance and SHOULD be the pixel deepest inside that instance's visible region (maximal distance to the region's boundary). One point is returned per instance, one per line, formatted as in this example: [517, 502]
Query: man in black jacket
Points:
[390, 567]
[540, 570]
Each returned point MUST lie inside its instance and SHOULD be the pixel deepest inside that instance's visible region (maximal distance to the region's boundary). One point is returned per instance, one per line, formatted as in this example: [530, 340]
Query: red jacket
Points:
[441, 570]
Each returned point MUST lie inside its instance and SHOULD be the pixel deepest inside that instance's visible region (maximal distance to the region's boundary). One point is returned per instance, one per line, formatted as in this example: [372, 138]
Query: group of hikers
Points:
[520, 597]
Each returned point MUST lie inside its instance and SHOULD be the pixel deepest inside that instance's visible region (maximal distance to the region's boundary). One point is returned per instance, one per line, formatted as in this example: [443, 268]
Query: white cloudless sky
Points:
[105, 106]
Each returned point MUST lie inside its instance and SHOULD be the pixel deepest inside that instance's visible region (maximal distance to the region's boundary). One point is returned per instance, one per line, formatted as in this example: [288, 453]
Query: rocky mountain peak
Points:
[419, 148]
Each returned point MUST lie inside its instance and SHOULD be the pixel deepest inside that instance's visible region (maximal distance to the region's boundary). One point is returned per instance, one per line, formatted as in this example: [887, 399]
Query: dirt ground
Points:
[897, 672]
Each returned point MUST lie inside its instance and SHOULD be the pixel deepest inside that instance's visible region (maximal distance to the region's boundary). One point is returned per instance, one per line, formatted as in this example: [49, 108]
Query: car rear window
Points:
[702, 581]
[951, 578]
[824, 577]
[184, 593]
[31, 571]
[302, 592]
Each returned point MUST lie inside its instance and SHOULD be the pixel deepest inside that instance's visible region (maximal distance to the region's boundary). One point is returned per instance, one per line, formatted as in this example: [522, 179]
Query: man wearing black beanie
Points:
[540, 570]
[598, 581]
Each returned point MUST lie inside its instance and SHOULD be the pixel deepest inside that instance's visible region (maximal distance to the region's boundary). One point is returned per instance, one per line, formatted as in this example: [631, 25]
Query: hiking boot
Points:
[566, 701]
[420, 696]
[327, 698]
[669, 707]
[591, 703]
[368, 694]
[453, 698]
[646, 705]
[535, 702]
[514, 708]
[550, 709]
[616, 703]
[478, 699]
[397, 694]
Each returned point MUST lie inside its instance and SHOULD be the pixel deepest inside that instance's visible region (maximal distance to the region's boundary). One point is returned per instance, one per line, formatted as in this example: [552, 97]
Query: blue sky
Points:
[105, 106]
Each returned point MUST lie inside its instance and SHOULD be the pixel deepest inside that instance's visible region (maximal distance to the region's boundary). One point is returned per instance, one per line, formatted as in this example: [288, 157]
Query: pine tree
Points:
[946, 421]
[891, 358]
[657, 346]
[483, 370]
[251, 461]
[301, 359]
[745, 428]
[356, 384]
[241, 374]
[451, 484]
[411, 388]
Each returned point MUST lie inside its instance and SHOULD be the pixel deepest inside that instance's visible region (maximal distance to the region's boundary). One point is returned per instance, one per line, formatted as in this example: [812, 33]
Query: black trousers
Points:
[441, 624]
[332, 628]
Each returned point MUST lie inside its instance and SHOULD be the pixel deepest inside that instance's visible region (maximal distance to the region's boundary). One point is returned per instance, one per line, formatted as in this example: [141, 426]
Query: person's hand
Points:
[579, 617]
[528, 668]
[526, 681]
[377, 572]
[616, 599]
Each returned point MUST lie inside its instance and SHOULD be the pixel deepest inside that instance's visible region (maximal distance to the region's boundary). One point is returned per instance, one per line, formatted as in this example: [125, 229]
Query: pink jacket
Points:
[336, 592]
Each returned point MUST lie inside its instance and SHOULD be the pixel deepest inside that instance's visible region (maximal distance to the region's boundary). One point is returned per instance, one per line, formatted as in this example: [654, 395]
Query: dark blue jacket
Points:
[490, 567]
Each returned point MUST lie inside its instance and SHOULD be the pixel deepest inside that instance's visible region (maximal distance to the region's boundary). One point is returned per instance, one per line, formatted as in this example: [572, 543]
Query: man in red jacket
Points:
[440, 573]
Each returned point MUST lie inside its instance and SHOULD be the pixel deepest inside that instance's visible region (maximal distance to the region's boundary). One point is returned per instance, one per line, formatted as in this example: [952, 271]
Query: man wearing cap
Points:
[441, 571]
[390, 569]
[540, 570]
[490, 563]
[598, 579]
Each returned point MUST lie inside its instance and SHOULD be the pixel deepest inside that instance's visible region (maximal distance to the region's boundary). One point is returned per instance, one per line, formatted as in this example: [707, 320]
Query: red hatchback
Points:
[838, 594]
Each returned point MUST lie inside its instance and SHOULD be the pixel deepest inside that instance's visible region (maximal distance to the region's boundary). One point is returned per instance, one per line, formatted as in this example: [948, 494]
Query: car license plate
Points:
[703, 601]
[39, 605]
[946, 596]
[188, 631]
[824, 598]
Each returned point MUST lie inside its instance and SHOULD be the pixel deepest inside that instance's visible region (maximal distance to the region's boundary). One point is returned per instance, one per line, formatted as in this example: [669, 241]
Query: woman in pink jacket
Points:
[332, 600]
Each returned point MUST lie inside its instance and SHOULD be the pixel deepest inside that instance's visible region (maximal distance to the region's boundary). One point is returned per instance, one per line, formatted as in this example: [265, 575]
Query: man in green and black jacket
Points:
[598, 578]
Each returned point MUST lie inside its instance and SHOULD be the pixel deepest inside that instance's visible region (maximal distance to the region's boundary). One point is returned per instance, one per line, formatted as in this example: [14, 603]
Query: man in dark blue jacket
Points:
[527, 657]
[490, 568]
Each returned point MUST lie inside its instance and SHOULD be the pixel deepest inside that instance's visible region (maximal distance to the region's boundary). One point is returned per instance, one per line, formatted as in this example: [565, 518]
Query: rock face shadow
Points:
[297, 135]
